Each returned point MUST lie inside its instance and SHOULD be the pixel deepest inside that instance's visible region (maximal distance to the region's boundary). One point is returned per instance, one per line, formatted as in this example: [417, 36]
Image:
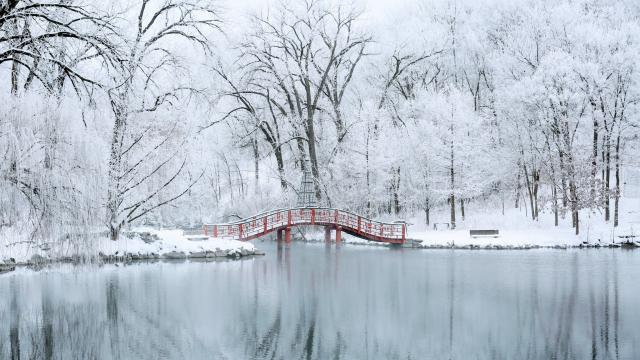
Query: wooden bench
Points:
[478, 233]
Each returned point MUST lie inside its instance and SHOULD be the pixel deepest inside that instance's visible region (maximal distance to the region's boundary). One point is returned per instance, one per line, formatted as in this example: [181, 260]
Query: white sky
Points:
[374, 9]
[390, 21]
[387, 20]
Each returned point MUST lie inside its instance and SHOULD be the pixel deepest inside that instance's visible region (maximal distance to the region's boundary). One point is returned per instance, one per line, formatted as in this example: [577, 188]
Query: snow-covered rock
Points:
[175, 255]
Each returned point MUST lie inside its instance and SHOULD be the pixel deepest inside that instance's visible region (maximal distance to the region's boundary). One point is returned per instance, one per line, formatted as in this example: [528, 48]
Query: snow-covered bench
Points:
[478, 233]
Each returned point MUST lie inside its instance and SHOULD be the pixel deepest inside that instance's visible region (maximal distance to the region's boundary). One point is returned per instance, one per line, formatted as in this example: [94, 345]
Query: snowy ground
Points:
[518, 230]
[160, 244]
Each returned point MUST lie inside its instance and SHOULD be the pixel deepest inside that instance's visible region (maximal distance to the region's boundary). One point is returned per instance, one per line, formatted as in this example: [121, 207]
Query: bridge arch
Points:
[284, 219]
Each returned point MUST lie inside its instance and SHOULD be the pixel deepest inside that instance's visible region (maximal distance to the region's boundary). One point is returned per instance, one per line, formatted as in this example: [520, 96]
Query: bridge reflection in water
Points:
[282, 220]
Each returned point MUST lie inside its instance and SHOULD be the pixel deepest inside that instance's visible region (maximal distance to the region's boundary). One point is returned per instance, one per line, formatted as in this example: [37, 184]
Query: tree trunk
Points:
[563, 181]
[529, 189]
[14, 78]
[303, 153]
[571, 174]
[452, 199]
[617, 189]
[114, 231]
[15, 69]
[602, 173]
[607, 182]
[462, 209]
[396, 192]
[368, 176]
[311, 143]
[594, 162]
[339, 123]
[574, 206]
[280, 163]
[554, 192]
[114, 194]
[256, 164]
[426, 213]
[518, 187]
[536, 185]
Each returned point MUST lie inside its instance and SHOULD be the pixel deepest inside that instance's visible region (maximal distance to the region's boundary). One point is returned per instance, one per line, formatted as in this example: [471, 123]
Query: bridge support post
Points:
[287, 235]
[338, 234]
[327, 234]
[279, 232]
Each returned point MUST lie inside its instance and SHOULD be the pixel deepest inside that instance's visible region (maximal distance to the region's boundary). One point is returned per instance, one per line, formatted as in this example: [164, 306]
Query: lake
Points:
[311, 301]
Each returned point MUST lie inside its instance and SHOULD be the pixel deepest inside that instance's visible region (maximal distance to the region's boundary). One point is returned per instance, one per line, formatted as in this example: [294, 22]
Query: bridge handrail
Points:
[262, 223]
[270, 212]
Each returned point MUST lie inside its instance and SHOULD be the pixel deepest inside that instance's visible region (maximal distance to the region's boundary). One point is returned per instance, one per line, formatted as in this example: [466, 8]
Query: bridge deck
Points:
[353, 224]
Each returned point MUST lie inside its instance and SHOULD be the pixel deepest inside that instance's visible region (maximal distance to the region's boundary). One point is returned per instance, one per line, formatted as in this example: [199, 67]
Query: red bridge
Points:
[283, 220]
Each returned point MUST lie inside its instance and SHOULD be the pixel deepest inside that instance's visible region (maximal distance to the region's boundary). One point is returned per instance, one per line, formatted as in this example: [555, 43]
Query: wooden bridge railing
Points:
[262, 224]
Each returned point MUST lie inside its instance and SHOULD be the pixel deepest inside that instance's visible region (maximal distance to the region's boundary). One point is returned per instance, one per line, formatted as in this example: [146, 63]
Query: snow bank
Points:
[169, 241]
[141, 243]
[519, 231]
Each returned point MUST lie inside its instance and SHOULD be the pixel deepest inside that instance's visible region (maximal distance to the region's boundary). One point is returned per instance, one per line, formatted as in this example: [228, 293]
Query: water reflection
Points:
[322, 302]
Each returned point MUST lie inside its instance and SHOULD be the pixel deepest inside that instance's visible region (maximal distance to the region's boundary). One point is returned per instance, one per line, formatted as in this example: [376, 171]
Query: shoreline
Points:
[174, 256]
[624, 246]
[414, 243]
[130, 259]
[38, 262]
[141, 244]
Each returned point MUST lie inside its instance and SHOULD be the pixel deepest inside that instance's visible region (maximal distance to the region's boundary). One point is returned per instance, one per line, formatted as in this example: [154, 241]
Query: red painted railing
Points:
[262, 224]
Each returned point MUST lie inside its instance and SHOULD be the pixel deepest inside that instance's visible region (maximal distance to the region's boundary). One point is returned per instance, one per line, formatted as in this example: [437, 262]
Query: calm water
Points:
[313, 302]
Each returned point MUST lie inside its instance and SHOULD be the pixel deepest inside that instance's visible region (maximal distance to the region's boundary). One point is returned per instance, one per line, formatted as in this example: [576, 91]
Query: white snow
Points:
[516, 229]
[169, 240]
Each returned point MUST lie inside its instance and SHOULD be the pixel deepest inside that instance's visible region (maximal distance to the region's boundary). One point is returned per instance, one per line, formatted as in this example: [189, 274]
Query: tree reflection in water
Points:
[322, 302]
